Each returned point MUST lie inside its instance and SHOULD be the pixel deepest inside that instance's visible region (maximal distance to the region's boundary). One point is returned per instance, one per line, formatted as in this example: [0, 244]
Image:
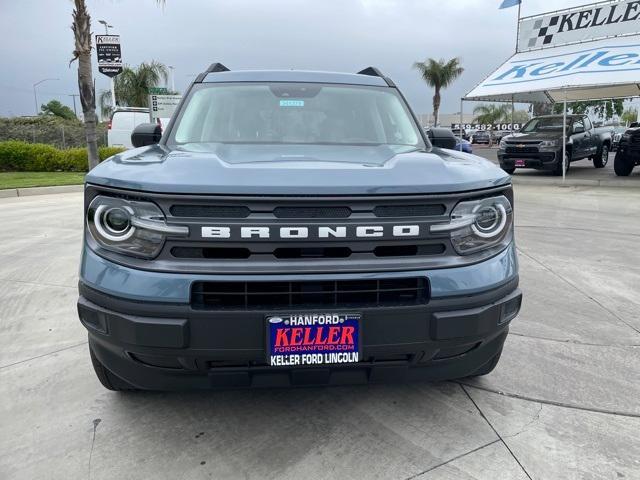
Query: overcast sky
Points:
[338, 35]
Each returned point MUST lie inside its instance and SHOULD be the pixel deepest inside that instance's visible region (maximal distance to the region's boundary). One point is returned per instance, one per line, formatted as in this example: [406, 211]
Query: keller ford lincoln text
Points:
[295, 228]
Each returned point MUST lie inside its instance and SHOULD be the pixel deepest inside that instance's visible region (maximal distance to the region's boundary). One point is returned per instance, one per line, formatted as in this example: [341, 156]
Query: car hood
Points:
[295, 170]
[536, 136]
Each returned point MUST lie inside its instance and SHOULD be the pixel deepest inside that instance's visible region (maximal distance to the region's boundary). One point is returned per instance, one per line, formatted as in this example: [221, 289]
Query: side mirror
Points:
[146, 134]
[578, 129]
[442, 138]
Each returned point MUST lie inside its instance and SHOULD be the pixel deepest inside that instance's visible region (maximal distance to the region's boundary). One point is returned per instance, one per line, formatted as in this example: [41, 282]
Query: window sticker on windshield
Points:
[292, 103]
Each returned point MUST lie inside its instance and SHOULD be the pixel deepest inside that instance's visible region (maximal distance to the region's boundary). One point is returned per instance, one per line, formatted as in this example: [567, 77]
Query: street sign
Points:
[157, 91]
[162, 106]
[109, 55]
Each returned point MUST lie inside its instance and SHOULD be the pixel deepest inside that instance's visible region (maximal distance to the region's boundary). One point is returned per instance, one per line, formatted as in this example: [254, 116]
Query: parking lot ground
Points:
[563, 402]
[581, 172]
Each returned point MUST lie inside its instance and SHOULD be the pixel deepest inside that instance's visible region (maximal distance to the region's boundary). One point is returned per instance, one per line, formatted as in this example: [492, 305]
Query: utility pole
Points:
[35, 94]
[74, 95]
[173, 79]
[113, 83]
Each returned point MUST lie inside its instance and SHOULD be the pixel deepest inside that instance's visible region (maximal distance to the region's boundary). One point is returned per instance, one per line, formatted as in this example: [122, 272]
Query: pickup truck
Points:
[295, 228]
[628, 154]
[539, 144]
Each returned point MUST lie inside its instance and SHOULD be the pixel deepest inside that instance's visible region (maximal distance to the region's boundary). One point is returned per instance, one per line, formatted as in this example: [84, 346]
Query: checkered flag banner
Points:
[581, 24]
[541, 32]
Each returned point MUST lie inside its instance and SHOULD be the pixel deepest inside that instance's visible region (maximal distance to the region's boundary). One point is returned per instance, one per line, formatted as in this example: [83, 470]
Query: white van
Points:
[122, 123]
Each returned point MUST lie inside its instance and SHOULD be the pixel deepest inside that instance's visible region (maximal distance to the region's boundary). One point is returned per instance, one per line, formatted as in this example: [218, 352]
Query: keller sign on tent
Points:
[579, 24]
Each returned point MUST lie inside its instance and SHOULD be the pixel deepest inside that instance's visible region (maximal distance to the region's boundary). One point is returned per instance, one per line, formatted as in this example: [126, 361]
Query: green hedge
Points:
[16, 156]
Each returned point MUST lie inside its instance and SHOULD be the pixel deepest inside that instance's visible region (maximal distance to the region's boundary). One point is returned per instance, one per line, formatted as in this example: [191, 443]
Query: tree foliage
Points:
[438, 74]
[630, 115]
[132, 86]
[604, 109]
[488, 114]
[57, 109]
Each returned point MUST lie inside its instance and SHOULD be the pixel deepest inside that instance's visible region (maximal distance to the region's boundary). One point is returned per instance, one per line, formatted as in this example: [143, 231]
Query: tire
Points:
[108, 379]
[509, 170]
[622, 166]
[601, 159]
[558, 169]
[488, 367]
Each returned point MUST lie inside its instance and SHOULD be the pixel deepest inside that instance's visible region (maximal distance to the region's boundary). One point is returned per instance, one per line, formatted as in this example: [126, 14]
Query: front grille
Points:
[405, 250]
[522, 149]
[386, 211]
[309, 294]
[300, 234]
[209, 211]
[312, 212]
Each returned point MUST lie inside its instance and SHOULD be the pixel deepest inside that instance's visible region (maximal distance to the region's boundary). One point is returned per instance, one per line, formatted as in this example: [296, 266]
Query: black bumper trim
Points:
[165, 347]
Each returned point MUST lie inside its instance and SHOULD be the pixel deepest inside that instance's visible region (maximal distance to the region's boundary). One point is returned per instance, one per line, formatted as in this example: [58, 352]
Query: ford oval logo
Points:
[275, 320]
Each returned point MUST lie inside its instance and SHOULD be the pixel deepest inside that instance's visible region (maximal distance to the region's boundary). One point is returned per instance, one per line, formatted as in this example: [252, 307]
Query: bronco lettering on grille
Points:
[317, 232]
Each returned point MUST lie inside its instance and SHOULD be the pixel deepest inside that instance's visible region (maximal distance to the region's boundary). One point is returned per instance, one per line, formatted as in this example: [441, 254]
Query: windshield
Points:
[291, 113]
[544, 124]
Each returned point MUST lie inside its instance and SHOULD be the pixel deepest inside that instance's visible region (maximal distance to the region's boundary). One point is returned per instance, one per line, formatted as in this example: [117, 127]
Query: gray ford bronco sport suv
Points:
[294, 228]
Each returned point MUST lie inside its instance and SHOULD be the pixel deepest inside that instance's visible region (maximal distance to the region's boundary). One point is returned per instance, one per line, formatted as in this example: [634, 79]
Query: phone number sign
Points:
[488, 126]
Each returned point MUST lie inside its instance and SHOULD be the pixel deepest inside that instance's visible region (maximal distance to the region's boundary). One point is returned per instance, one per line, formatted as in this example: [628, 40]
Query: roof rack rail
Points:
[217, 67]
[371, 71]
[213, 68]
[374, 72]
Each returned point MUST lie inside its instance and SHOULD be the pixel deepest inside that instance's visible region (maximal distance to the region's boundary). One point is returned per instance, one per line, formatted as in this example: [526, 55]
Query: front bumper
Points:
[151, 337]
[542, 160]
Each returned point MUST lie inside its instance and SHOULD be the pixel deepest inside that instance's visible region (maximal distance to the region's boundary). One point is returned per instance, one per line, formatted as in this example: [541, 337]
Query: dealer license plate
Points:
[521, 163]
[313, 339]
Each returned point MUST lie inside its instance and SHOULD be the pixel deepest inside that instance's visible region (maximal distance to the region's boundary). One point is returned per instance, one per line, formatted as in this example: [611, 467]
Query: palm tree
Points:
[438, 74]
[132, 85]
[81, 28]
[490, 114]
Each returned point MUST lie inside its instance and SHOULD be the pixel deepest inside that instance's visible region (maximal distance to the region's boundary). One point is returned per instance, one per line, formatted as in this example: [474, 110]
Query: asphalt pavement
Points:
[563, 402]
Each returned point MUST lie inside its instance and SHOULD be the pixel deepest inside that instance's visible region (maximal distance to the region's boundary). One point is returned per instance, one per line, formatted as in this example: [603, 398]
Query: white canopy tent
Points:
[608, 68]
[601, 69]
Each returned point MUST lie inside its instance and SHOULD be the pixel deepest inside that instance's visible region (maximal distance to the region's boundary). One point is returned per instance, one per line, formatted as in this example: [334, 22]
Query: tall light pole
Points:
[173, 79]
[35, 94]
[106, 26]
[112, 82]
[74, 95]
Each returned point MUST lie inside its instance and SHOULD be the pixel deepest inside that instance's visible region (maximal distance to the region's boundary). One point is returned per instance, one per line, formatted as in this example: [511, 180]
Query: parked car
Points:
[466, 145]
[456, 132]
[628, 154]
[295, 228]
[482, 136]
[618, 131]
[539, 144]
[498, 135]
[122, 123]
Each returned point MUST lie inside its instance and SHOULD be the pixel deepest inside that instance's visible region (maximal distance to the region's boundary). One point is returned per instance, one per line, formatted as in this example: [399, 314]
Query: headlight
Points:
[129, 227]
[549, 143]
[503, 143]
[479, 224]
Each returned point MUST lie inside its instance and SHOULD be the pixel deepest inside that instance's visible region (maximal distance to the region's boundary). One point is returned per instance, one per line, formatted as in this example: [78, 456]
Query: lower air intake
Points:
[309, 294]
